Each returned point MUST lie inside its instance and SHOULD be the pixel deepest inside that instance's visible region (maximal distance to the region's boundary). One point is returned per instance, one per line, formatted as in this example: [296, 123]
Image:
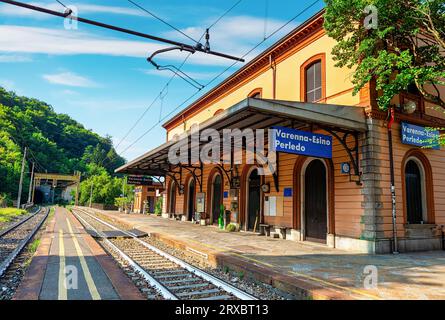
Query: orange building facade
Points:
[344, 201]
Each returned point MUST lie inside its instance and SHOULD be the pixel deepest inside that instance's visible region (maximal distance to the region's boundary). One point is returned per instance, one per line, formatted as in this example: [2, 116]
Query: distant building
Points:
[145, 197]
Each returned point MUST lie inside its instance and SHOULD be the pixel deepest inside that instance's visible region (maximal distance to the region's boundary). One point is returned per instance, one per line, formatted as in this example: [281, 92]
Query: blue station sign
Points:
[302, 142]
[419, 136]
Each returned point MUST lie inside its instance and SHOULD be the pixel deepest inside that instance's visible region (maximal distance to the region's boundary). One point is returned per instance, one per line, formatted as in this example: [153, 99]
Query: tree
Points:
[102, 187]
[406, 49]
[58, 143]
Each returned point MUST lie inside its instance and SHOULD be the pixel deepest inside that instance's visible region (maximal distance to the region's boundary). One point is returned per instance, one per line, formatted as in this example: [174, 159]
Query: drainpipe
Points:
[393, 188]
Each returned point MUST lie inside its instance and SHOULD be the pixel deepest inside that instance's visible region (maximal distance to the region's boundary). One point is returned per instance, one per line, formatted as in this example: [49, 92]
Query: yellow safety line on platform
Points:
[356, 291]
[63, 295]
[86, 271]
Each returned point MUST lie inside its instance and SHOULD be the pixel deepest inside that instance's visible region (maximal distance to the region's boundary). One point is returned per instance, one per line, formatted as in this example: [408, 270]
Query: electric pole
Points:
[19, 196]
[31, 183]
[91, 193]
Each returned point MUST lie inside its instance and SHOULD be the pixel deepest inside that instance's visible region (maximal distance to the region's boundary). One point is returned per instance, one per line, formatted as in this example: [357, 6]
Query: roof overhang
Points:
[259, 114]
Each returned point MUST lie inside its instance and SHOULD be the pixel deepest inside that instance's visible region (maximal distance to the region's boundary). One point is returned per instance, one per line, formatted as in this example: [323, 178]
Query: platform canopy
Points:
[260, 114]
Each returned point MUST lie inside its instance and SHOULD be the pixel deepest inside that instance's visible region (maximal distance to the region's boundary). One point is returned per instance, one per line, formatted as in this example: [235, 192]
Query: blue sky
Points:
[101, 78]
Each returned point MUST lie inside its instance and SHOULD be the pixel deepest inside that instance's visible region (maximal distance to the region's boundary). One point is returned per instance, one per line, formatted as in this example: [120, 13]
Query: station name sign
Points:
[302, 142]
[419, 136]
[140, 180]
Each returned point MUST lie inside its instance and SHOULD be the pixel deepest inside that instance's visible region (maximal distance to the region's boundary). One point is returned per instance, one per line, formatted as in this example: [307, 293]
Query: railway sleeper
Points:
[189, 286]
[198, 293]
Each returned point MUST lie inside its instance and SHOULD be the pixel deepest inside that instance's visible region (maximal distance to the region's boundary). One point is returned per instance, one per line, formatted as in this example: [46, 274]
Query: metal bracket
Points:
[353, 153]
[173, 68]
[198, 177]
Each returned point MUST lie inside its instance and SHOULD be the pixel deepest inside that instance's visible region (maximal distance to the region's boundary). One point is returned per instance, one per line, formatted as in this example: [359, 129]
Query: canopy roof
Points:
[259, 114]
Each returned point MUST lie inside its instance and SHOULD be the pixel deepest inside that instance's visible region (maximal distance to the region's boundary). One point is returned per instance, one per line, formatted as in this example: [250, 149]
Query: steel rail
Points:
[7, 262]
[152, 281]
[217, 282]
[18, 223]
[119, 29]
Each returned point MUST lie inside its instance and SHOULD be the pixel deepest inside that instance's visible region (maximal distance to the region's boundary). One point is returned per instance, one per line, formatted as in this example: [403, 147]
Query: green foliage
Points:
[5, 200]
[59, 143]
[158, 206]
[231, 227]
[103, 187]
[391, 55]
[7, 214]
[34, 245]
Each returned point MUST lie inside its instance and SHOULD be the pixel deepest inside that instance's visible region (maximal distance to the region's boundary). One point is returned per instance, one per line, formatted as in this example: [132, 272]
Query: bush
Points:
[231, 227]
[5, 201]
[158, 206]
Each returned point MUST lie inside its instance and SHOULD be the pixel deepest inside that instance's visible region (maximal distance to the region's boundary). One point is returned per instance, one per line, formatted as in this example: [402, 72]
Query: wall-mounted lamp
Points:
[408, 107]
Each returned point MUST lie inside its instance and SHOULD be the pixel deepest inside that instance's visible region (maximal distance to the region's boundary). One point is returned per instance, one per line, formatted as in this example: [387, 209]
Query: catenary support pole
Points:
[91, 194]
[19, 196]
[31, 184]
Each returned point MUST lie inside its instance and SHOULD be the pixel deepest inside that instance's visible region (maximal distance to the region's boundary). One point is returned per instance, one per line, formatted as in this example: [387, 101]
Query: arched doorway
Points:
[253, 200]
[217, 190]
[315, 201]
[172, 197]
[191, 200]
[415, 192]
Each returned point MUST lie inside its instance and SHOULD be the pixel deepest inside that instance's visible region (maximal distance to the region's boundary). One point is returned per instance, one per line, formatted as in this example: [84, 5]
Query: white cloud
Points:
[14, 58]
[233, 35]
[236, 34]
[33, 40]
[82, 8]
[69, 79]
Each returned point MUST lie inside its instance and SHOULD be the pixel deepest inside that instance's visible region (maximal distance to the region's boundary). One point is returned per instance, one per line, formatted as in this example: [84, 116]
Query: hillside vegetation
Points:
[58, 143]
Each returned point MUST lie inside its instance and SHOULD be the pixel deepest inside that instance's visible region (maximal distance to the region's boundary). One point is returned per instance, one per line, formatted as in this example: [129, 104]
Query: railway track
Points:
[173, 278]
[15, 238]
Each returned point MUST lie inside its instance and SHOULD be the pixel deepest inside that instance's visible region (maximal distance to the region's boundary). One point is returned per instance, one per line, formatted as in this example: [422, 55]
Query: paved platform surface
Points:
[311, 270]
[70, 265]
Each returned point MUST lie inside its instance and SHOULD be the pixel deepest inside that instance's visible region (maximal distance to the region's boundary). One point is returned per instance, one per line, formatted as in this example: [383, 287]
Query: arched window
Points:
[313, 79]
[313, 82]
[256, 93]
[415, 192]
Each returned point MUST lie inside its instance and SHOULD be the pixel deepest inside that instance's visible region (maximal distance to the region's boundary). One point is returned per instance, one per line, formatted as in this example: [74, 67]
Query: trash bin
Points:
[227, 216]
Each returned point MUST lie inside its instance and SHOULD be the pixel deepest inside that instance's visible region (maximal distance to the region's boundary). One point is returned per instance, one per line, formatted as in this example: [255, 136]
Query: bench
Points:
[176, 216]
[265, 229]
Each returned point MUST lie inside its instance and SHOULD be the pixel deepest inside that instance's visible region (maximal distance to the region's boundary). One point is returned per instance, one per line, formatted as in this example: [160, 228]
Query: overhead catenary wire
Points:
[119, 29]
[162, 20]
[173, 76]
[224, 71]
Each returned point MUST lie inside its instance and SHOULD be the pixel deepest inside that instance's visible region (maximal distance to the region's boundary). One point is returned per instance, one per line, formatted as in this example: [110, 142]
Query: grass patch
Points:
[34, 245]
[8, 214]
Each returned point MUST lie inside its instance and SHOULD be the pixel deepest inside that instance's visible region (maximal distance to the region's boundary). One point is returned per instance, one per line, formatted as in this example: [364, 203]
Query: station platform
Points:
[70, 265]
[309, 270]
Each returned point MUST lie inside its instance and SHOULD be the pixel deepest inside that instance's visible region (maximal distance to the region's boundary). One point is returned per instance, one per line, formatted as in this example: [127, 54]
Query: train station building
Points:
[324, 173]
